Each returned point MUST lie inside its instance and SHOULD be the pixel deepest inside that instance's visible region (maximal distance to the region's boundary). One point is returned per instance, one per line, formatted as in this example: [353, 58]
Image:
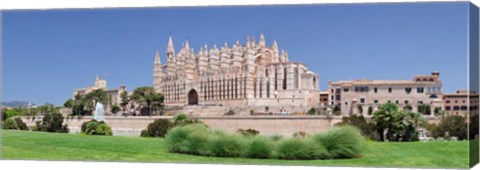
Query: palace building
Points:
[250, 77]
[356, 96]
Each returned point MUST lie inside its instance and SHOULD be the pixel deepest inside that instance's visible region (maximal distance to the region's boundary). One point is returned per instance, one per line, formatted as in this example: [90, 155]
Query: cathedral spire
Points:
[157, 57]
[282, 56]
[275, 51]
[170, 48]
[187, 45]
[262, 40]
[275, 45]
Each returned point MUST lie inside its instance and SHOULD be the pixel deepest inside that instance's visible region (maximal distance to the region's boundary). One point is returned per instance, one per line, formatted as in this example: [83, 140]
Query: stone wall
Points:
[267, 125]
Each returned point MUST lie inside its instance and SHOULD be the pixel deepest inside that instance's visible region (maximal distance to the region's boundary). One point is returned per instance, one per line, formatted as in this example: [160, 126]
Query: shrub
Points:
[248, 132]
[157, 129]
[10, 124]
[94, 127]
[225, 145]
[175, 139]
[115, 109]
[295, 148]
[103, 129]
[260, 147]
[342, 142]
[367, 129]
[20, 124]
[312, 111]
[4, 115]
[455, 125]
[52, 122]
[230, 112]
[182, 119]
[196, 142]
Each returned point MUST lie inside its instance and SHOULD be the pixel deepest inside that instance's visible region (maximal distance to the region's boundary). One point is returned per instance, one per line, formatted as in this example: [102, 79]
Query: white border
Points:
[56, 4]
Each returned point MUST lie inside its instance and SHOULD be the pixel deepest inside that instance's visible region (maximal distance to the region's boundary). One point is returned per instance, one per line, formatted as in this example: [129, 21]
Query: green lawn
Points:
[55, 146]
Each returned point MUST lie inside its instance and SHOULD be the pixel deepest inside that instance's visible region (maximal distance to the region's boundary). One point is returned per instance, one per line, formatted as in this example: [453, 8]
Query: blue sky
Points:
[48, 53]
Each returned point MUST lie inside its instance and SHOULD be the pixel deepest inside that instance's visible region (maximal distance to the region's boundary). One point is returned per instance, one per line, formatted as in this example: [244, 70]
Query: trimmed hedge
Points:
[197, 139]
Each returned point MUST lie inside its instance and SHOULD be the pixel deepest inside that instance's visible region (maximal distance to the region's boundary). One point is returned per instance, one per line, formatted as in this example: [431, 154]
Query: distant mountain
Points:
[16, 104]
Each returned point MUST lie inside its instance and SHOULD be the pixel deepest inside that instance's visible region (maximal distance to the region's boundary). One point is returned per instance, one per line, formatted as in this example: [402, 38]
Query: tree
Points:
[69, 103]
[424, 109]
[367, 129]
[52, 122]
[145, 97]
[115, 109]
[125, 100]
[452, 125]
[384, 118]
[393, 124]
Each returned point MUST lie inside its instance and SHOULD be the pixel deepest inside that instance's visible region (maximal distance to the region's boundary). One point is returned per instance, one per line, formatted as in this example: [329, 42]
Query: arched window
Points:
[254, 88]
[236, 87]
[314, 82]
[231, 88]
[228, 89]
[284, 78]
[295, 72]
[268, 89]
[261, 85]
[275, 83]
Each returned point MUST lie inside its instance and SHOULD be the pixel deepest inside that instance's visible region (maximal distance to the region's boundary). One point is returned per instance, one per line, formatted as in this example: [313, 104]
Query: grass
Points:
[56, 146]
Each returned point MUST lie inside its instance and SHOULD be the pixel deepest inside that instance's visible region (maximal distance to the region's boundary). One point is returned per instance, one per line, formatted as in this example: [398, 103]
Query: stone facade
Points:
[114, 94]
[461, 102]
[248, 77]
[356, 96]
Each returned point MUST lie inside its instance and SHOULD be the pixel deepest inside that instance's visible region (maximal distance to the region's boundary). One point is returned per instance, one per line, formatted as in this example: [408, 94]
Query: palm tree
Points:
[384, 119]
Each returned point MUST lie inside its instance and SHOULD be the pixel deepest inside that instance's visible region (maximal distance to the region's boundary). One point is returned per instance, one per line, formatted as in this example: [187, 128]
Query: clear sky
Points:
[48, 53]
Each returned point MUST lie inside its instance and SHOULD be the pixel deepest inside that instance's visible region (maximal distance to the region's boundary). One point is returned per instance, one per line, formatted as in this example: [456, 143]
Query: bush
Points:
[10, 124]
[93, 127]
[260, 147]
[115, 109]
[230, 113]
[312, 111]
[342, 142]
[455, 125]
[20, 124]
[157, 129]
[4, 115]
[295, 148]
[103, 129]
[52, 122]
[225, 145]
[182, 119]
[248, 132]
[367, 129]
[175, 139]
